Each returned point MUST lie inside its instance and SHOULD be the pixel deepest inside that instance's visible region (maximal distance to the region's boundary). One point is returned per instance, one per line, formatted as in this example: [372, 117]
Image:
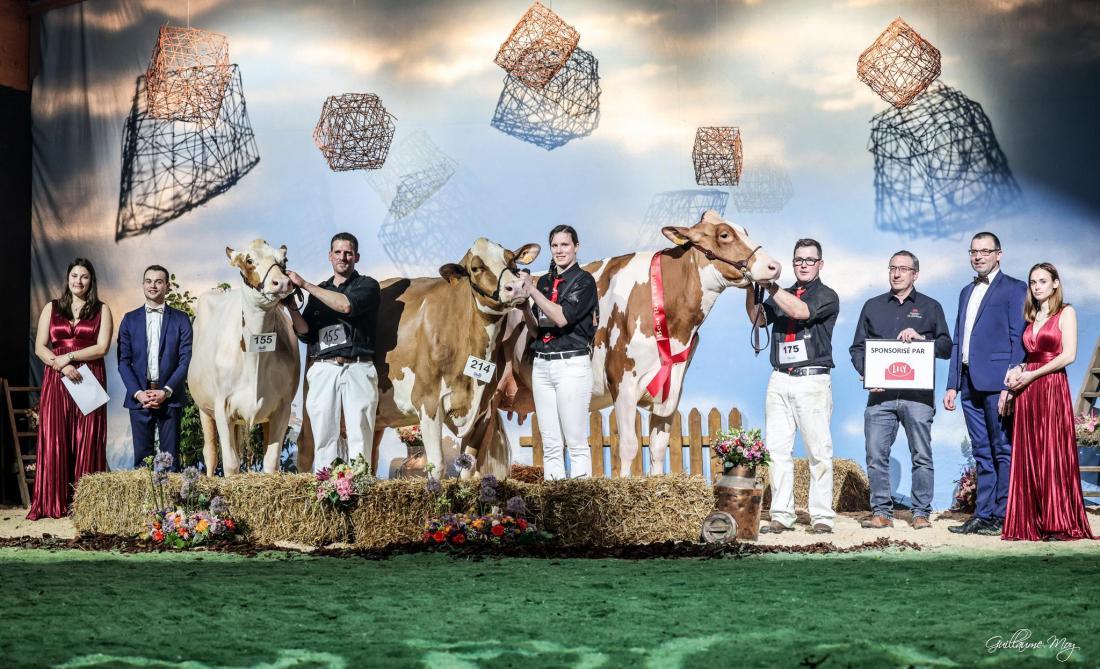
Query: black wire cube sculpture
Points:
[567, 108]
[415, 171]
[171, 167]
[679, 208]
[354, 132]
[717, 156]
[431, 235]
[939, 170]
[765, 188]
[899, 65]
[538, 47]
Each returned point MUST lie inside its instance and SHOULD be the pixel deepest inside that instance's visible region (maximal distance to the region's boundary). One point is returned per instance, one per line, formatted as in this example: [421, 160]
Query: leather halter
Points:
[495, 295]
[740, 265]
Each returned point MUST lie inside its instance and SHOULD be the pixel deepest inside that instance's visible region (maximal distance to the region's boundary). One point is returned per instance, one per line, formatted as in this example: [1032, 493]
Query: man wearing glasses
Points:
[988, 340]
[800, 390]
[904, 314]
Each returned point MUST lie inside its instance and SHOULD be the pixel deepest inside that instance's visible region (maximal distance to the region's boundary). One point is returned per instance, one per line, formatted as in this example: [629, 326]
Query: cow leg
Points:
[209, 442]
[660, 430]
[305, 435]
[626, 409]
[227, 435]
[431, 431]
[375, 444]
[274, 433]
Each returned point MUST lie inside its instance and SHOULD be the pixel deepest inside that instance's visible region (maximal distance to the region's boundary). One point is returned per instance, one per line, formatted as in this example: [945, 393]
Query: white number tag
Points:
[261, 343]
[333, 335]
[479, 369]
[792, 351]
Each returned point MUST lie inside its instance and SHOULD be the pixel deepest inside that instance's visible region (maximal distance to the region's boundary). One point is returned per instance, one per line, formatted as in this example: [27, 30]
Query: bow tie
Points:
[981, 279]
[154, 310]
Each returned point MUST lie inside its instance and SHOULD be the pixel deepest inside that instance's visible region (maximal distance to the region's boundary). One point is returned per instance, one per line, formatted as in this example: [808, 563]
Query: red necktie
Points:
[553, 298]
[790, 322]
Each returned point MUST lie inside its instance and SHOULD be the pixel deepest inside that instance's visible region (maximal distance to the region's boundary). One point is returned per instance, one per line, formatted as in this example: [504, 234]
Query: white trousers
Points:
[334, 389]
[563, 391]
[805, 404]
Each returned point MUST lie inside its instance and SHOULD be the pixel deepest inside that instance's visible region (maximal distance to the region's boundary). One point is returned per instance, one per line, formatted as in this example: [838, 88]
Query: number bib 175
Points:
[792, 351]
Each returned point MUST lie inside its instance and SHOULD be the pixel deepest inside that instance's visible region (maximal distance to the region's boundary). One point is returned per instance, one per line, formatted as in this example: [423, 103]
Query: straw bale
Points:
[851, 489]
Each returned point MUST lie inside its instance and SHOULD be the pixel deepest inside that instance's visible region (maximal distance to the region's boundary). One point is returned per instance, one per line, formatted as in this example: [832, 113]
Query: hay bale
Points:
[526, 473]
[851, 489]
[272, 507]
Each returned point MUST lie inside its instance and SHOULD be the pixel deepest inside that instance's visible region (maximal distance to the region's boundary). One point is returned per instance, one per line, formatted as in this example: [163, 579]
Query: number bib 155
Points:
[791, 351]
[333, 335]
[261, 343]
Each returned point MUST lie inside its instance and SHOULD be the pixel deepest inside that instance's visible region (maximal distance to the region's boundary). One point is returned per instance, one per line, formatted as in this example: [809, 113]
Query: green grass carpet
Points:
[869, 610]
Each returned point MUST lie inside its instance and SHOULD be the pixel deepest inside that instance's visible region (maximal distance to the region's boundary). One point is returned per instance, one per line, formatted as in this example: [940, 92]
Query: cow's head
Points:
[728, 249]
[263, 269]
[492, 271]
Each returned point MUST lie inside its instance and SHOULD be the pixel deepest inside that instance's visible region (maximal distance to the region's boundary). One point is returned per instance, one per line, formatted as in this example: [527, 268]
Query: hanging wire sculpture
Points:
[679, 208]
[188, 75]
[539, 46]
[171, 167]
[717, 156]
[415, 170]
[899, 64]
[565, 109]
[432, 234]
[354, 132]
[939, 170]
[765, 188]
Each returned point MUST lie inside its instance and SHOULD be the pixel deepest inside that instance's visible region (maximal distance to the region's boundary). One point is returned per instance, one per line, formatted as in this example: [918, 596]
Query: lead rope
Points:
[760, 315]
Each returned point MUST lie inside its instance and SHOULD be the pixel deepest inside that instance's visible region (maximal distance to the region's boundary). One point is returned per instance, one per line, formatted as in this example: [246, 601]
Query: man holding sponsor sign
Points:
[898, 336]
[800, 390]
[337, 324]
[154, 351]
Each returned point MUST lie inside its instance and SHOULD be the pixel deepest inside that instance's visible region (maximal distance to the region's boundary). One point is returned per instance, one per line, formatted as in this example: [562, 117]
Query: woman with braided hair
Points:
[563, 313]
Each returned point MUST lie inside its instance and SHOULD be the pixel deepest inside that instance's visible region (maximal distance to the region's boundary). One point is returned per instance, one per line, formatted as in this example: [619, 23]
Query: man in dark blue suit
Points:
[988, 340]
[154, 350]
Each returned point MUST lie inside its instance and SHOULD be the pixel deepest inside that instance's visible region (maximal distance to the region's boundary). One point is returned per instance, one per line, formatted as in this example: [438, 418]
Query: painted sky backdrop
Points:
[784, 72]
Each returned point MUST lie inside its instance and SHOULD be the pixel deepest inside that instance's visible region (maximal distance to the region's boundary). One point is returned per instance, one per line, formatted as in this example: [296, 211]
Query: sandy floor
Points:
[846, 532]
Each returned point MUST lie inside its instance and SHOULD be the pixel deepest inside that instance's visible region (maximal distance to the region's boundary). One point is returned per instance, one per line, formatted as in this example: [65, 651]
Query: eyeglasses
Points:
[985, 253]
[895, 268]
[809, 262]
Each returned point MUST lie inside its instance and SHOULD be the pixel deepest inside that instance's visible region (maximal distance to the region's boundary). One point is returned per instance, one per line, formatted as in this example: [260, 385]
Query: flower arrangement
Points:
[190, 519]
[343, 482]
[739, 447]
[494, 529]
[32, 418]
[966, 491]
[1087, 425]
[410, 436]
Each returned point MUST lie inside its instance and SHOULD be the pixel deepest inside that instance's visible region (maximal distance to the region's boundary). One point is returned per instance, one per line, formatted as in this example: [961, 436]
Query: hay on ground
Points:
[851, 489]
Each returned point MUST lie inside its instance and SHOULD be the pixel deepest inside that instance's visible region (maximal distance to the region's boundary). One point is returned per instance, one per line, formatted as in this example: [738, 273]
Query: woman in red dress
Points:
[73, 330]
[1044, 495]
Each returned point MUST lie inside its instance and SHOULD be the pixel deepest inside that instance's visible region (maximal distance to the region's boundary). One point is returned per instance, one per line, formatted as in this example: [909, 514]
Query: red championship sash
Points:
[661, 384]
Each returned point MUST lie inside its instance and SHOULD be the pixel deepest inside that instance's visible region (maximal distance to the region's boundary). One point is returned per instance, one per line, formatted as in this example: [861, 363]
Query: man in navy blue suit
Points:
[154, 350]
[988, 340]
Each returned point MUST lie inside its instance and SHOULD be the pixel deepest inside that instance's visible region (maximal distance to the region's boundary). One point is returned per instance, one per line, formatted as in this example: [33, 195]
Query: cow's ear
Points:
[452, 272]
[526, 254]
[236, 258]
[678, 235]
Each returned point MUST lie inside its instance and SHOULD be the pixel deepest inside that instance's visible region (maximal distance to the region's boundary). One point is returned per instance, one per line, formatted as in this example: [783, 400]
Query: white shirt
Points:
[153, 321]
[972, 307]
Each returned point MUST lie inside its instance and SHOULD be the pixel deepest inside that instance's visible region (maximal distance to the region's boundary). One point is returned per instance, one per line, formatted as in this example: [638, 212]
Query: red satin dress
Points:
[70, 444]
[1044, 494]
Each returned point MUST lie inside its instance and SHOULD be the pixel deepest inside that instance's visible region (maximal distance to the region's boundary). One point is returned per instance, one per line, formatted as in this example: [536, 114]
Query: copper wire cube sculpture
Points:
[188, 75]
[939, 171]
[354, 132]
[539, 46]
[676, 207]
[899, 65]
[717, 156]
[420, 243]
[765, 188]
[172, 167]
[566, 109]
[415, 170]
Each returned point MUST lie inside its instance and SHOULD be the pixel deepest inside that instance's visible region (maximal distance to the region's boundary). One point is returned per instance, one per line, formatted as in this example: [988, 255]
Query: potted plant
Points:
[1087, 425]
[741, 451]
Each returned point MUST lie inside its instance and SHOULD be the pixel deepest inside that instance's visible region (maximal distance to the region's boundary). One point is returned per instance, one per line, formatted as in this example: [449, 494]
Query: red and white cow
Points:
[710, 256]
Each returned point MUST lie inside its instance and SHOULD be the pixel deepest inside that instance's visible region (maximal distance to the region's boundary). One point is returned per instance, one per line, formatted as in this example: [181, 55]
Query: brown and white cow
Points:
[232, 385]
[710, 256]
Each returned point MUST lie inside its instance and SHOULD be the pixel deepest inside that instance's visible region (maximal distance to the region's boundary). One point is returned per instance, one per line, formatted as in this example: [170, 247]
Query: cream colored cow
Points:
[233, 380]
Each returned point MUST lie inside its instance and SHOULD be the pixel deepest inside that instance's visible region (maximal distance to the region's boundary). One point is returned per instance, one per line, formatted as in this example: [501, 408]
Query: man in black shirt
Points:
[337, 325]
[800, 391]
[906, 315]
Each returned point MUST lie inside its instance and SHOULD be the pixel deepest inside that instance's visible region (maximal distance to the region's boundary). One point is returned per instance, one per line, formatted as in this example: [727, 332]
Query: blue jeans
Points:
[880, 427]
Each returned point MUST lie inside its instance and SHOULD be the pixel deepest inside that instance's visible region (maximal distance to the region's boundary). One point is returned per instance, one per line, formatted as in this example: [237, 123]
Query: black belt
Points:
[805, 371]
[562, 355]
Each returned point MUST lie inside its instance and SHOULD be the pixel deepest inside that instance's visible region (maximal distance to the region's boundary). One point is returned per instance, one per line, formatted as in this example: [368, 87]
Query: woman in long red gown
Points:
[73, 330]
[1044, 495]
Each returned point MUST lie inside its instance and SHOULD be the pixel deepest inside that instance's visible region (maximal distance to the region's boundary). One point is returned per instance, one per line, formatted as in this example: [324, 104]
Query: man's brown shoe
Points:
[877, 522]
[820, 528]
[775, 527]
[921, 523]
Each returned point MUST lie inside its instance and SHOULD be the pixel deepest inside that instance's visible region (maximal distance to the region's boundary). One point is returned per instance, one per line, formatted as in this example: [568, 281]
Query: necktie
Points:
[553, 298]
[790, 321]
[981, 279]
[154, 310]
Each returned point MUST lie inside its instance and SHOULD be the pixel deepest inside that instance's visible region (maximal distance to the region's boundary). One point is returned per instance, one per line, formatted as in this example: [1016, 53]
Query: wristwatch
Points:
[167, 393]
